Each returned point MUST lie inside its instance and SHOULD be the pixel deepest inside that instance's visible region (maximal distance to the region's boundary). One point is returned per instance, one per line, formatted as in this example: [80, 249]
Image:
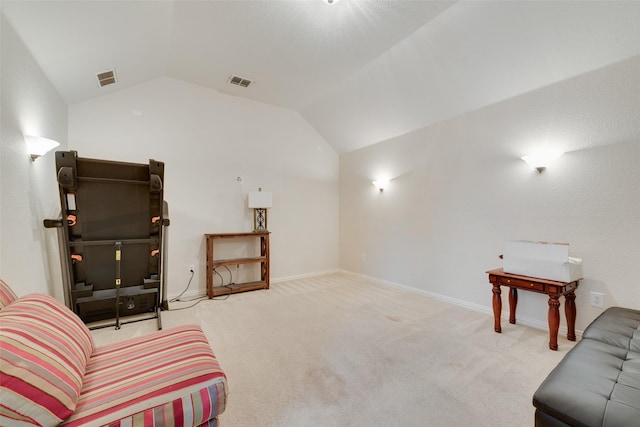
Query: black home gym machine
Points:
[112, 237]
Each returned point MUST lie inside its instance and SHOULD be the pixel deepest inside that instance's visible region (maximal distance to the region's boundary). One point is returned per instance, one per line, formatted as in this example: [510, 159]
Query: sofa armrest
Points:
[598, 382]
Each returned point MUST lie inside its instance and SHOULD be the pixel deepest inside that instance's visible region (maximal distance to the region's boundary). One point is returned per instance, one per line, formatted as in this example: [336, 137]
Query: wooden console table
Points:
[549, 287]
[213, 263]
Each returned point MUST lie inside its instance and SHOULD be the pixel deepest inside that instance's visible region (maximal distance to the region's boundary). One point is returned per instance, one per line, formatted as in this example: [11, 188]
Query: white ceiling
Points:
[359, 71]
[292, 50]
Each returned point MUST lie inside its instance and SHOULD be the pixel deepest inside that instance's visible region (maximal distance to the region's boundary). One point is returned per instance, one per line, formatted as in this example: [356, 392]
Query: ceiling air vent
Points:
[107, 78]
[239, 81]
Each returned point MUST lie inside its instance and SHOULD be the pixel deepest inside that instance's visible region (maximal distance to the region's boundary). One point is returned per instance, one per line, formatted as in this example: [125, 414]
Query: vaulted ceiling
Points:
[359, 71]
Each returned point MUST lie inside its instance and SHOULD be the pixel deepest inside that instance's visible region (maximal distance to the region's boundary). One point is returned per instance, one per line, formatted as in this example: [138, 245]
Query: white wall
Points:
[459, 190]
[29, 259]
[207, 140]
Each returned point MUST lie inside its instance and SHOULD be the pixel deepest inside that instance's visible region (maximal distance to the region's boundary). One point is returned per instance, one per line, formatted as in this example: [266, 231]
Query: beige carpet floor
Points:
[343, 351]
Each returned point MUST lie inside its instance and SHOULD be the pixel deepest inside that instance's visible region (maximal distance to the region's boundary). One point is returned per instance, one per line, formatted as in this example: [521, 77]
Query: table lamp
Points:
[260, 201]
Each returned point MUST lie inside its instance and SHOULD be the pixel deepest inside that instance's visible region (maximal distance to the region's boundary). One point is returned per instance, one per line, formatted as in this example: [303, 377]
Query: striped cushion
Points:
[7, 296]
[167, 378]
[44, 349]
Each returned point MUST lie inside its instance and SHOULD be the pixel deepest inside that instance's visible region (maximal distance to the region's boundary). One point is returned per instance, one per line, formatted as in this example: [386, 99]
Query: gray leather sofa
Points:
[598, 382]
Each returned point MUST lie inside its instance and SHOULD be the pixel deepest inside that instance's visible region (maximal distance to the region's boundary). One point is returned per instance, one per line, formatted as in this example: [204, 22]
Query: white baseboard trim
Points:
[522, 320]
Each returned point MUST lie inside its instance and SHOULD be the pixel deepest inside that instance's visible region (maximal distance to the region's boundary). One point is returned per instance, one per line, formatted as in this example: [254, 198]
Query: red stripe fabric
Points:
[54, 364]
[44, 351]
[7, 296]
[165, 373]
[50, 368]
[205, 402]
[11, 416]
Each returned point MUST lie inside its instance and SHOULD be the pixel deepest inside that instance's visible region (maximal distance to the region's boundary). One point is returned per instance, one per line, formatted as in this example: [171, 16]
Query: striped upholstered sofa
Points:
[51, 373]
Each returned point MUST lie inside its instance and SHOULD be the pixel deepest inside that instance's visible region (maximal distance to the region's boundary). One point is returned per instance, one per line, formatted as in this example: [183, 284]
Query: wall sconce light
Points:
[381, 184]
[540, 160]
[260, 201]
[38, 146]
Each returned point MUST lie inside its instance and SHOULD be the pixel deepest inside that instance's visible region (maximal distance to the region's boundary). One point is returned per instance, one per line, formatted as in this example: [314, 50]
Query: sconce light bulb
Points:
[540, 160]
[38, 146]
[381, 184]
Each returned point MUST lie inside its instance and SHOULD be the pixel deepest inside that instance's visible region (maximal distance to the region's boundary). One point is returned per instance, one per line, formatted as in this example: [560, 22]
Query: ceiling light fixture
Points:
[331, 1]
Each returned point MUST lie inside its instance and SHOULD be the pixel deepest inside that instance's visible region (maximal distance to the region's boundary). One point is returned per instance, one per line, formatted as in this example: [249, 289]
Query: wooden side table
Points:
[549, 287]
[213, 262]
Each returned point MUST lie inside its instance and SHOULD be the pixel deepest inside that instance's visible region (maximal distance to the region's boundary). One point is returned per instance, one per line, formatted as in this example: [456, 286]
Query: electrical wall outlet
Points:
[192, 268]
[597, 299]
[363, 257]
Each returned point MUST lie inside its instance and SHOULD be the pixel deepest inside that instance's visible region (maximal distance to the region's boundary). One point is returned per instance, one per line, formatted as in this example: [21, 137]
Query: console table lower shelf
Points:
[238, 287]
[548, 287]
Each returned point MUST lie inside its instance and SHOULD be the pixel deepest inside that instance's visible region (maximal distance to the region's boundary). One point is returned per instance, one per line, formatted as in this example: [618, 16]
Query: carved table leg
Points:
[513, 302]
[497, 307]
[570, 312]
[554, 321]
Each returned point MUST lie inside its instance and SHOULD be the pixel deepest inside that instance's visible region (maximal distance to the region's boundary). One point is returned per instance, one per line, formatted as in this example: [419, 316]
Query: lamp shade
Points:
[260, 199]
